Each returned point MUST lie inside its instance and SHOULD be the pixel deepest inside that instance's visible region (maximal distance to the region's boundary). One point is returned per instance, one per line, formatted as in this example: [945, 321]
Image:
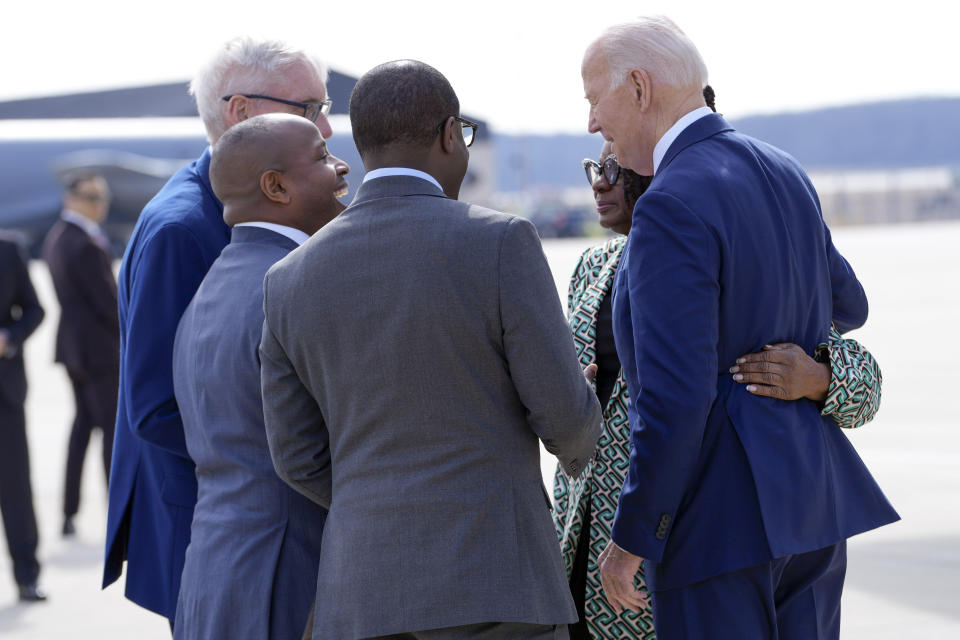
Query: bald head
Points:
[276, 168]
[249, 149]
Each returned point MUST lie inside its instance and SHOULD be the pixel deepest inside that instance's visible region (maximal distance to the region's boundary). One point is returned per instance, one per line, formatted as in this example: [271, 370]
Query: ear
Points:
[446, 136]
[238, 109]
[640, 82]
[273, 187]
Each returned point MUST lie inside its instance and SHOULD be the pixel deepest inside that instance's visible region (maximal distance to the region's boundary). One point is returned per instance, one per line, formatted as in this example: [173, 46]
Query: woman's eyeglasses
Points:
[609, 169]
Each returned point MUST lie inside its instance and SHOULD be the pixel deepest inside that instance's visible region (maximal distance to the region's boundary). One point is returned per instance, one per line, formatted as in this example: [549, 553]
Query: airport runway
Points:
[903, 580]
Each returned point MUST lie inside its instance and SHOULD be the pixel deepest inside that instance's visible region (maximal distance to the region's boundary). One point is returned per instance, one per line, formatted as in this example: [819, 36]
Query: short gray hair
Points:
[656, 45]
[240, 66]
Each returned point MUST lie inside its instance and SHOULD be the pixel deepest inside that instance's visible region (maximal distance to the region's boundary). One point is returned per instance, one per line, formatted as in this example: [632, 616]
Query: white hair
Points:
[656, 45]
[242, 65]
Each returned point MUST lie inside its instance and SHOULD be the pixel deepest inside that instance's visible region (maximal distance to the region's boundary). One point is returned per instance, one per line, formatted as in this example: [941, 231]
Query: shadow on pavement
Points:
[11, 613]
[923, 573]
[76, 554]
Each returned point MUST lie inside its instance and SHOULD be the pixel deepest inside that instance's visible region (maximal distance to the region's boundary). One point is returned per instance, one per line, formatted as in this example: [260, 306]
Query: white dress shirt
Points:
[401, 171]
[294, 234]
[673, 132]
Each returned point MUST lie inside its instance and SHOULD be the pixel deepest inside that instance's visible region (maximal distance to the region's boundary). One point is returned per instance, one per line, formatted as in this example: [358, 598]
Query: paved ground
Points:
[903, 581]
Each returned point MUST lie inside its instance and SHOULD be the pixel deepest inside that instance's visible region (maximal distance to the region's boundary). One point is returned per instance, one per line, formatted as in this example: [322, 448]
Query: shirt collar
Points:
[294, 234]
[673, 132]
[401, 171]
[92, 228]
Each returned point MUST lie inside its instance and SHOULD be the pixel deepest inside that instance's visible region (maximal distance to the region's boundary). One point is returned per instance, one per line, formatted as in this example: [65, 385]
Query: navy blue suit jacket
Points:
[152, 484]
[728, 252]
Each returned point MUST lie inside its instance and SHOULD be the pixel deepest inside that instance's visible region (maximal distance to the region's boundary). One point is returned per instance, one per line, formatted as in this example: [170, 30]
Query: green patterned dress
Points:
[852, 400]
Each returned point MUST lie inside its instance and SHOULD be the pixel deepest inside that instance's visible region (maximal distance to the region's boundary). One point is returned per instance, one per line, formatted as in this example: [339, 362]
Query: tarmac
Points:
[902, 581]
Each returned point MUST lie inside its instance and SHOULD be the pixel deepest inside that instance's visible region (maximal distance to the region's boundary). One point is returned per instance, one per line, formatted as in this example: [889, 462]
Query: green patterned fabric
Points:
[855, 381]
[602, 479]
[852, 400]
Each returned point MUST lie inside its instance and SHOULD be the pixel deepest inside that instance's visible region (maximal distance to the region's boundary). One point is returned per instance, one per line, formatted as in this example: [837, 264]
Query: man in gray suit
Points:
[250, 569]
[414, 352]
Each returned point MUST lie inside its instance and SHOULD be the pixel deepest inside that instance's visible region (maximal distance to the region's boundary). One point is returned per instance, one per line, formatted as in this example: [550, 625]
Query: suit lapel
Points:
[701, 129]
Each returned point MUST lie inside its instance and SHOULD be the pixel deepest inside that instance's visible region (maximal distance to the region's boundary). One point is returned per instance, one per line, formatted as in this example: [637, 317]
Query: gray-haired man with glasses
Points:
[180, 233]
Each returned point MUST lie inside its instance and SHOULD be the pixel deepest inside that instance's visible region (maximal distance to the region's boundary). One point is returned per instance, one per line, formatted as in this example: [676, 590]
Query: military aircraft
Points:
[136, 138]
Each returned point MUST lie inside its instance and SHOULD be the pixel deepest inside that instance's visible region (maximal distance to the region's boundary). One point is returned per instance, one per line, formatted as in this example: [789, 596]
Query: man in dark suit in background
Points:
[88, 337]
[251, 566]
[20, 313]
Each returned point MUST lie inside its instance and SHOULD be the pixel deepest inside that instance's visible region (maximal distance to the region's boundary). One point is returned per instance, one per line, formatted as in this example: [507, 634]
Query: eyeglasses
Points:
[609, 169]
[311, 110]
[469, 129]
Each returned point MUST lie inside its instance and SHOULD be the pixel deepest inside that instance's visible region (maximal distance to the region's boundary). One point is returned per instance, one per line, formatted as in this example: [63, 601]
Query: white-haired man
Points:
[178, 236]
[740, 504]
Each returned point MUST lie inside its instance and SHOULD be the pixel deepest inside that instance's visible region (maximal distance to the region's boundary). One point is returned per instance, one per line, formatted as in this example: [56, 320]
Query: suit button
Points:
[664, 525]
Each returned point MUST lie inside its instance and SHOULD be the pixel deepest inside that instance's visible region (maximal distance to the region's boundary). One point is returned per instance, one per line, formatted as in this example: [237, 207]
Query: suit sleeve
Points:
[673, 290]
[562, 409]
[849, 299]
[26, 298]
[167, 275]
[296, 432]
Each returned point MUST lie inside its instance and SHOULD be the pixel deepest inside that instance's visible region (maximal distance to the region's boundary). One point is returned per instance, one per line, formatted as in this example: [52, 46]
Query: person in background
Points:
[180, 233]
[251, 566]
[88, 337]
[20, 313]
[848, 388]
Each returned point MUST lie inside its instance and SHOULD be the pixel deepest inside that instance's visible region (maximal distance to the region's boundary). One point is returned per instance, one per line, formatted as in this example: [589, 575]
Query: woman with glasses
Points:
[844, 378]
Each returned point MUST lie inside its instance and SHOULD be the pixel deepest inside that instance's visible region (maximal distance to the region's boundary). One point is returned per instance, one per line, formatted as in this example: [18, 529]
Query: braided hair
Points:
[708, 96]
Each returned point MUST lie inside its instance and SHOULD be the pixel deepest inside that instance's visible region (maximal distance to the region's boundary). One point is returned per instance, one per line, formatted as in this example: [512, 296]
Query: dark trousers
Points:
[16, 496]
[792, 598]
[96, 402]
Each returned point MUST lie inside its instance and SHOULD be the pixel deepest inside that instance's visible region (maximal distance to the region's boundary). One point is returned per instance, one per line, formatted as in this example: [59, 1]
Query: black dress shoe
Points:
[31, 593]
[68, 529]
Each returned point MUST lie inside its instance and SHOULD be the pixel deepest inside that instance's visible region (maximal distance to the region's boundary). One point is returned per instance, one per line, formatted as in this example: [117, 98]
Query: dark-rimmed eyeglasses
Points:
[311, 110]
[609, 169]
[469, 129]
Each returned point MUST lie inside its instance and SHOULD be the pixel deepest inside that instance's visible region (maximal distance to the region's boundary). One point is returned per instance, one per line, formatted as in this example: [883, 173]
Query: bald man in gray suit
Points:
[414, 354]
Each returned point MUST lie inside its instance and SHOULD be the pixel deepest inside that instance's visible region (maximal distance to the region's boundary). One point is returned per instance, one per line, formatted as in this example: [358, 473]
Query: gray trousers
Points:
[487, 631]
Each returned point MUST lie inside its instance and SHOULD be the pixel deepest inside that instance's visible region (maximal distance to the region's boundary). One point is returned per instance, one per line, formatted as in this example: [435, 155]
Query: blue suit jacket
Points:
[251, 567]
[152, 485]
[728, 252]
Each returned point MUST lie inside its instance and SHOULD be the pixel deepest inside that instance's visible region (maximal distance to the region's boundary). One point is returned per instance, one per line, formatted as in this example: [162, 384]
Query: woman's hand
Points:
[783, 371]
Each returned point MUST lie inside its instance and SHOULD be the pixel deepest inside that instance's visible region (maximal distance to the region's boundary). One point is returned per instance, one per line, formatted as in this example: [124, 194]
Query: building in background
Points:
[882, 162]
[890, 196]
